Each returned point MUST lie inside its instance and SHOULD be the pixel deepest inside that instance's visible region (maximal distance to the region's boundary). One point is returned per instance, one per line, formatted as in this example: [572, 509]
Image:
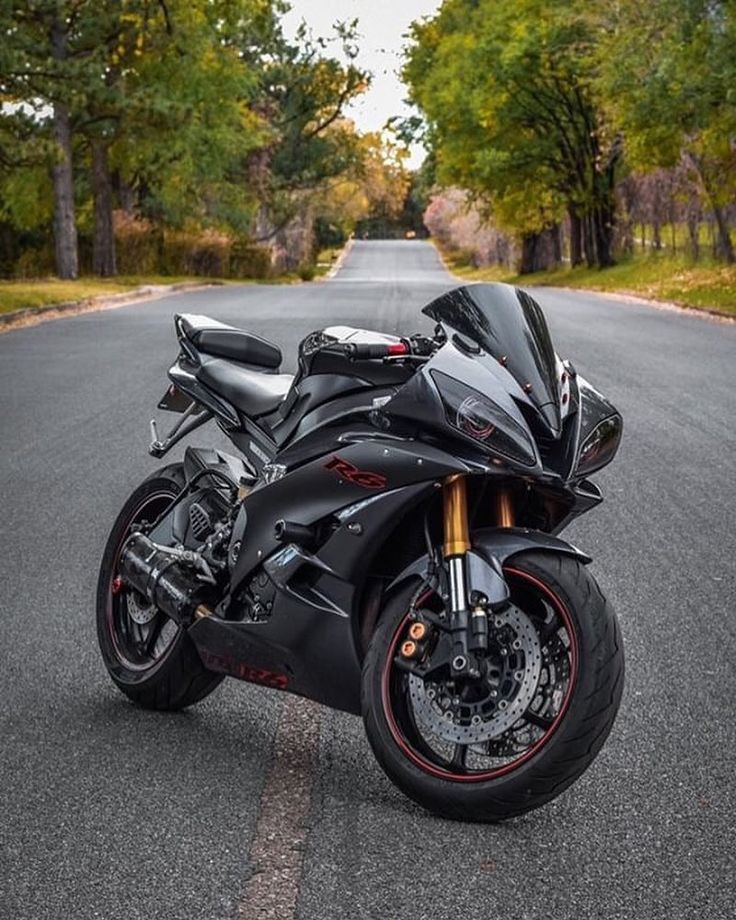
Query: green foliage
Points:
[188, 114]
[678, 88]
[302, 93]
[248, 260]
[674, 279]
[531, 105]
[145, 249]
[506, 87]
[25, 197]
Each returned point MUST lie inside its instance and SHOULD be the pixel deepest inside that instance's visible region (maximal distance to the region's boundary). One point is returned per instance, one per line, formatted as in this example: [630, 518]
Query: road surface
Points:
[110, 812]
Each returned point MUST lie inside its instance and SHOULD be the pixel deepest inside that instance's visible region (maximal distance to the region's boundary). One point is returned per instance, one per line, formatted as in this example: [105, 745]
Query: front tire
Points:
[553, 735]
[150, 659]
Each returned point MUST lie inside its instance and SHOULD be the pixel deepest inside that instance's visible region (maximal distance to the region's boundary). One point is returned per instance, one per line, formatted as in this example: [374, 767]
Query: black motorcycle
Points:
[385, 542]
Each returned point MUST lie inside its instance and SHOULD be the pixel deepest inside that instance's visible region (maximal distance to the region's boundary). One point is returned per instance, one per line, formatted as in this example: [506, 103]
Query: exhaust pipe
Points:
[162, 579]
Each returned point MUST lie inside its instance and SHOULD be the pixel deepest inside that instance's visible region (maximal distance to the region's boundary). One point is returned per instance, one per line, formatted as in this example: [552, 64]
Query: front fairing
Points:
[419, 405]
[505, 323]
[496, 338]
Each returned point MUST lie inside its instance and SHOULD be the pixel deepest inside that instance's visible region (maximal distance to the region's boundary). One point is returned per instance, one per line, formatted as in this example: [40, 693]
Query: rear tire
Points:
[566, 749]
[174, 678]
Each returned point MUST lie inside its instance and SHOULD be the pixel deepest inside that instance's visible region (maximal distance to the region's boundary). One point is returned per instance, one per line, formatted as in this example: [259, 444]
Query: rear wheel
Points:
[499, 745]
[148, 656]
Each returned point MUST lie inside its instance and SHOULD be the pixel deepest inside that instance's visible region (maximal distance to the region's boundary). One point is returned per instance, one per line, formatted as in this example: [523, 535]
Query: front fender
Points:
[498, 545]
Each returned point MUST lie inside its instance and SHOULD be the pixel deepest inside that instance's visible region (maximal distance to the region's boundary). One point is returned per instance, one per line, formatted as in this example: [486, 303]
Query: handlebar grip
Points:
[357, 351]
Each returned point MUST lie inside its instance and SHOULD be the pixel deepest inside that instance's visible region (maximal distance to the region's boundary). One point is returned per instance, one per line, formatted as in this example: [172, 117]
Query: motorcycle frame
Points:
[365, 482]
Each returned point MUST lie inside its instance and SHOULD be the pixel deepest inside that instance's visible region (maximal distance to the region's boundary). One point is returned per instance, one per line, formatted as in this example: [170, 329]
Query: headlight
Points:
[470, 413]
[600, 447]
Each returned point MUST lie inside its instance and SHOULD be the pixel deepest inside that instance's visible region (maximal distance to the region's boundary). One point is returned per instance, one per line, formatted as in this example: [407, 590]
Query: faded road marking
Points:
[277, 851]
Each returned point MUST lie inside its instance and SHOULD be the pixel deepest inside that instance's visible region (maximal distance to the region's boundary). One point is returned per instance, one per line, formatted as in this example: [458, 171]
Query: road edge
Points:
[672, 306]
[33, 316]
[623, 297]
[339, 260]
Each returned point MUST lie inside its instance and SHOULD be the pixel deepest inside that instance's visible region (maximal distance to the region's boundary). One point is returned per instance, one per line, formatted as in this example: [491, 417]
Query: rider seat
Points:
[215, 338]
[252, 392]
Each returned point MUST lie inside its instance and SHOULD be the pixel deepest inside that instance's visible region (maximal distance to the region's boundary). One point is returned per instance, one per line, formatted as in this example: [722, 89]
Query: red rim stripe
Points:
[485, 775]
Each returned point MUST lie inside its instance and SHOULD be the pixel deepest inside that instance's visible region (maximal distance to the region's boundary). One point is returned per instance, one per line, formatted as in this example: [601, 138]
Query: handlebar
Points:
[418, 346]
[357, 351]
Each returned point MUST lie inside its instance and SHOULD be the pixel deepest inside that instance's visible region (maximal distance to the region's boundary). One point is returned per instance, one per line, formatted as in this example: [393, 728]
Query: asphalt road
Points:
[107, 811]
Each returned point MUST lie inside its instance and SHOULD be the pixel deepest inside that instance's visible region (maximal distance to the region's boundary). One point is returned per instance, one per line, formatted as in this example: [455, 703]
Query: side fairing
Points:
[329, 483]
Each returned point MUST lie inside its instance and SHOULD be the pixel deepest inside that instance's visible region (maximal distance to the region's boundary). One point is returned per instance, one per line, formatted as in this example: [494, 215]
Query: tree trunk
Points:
[556, 233]
[693, 217]
[693, 228]
[656, 235]
[540, 251]
[529, 253]
[65, 227]
[123, 192]
[103, 245]
[589, 240]
[724, 246]
[603, 222]
[576, 238]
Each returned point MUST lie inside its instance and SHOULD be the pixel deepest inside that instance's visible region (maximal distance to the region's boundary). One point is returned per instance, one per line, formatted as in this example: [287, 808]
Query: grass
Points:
[326, 258]
[41, 292]
[702, 285]
[17, 295]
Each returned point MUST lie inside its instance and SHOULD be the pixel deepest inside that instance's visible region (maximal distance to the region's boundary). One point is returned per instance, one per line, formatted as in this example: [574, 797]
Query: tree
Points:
[506, 87]
[177, 146]
[369, 197]
[39, 72]
[105, 81]
[303, 94]
[675, 98]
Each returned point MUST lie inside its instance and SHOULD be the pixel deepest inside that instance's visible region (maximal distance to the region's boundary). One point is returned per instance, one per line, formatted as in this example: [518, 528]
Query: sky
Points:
[382, 25]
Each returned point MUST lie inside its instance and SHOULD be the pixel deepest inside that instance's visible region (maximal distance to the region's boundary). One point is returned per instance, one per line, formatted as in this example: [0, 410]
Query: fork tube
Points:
[456, 545]
[455, 505]
[504, 509]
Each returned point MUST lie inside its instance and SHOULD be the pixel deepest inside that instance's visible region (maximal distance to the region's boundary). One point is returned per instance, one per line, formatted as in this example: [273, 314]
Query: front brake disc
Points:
[499, 699]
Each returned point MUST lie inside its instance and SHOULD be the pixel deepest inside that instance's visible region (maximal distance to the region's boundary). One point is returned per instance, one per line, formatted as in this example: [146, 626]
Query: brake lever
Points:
[420, 359]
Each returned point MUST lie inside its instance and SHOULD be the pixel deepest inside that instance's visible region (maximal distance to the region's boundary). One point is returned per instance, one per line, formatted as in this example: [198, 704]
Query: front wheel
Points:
[499, 745]
[149, 657]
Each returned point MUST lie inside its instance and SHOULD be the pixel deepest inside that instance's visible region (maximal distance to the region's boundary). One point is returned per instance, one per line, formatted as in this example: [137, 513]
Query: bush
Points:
[247, 260]
[35, 263]
[306, 272]
[138, 246]
[142, 248]
[207, 255]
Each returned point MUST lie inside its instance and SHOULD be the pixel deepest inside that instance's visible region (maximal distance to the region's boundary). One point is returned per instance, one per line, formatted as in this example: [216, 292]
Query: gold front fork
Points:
[455, 508]
[504, 509]
[455, 514]
[469, 627]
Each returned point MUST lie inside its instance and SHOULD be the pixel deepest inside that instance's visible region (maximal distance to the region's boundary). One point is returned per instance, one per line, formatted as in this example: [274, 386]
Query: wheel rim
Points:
[496, 739]
[141, 635]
